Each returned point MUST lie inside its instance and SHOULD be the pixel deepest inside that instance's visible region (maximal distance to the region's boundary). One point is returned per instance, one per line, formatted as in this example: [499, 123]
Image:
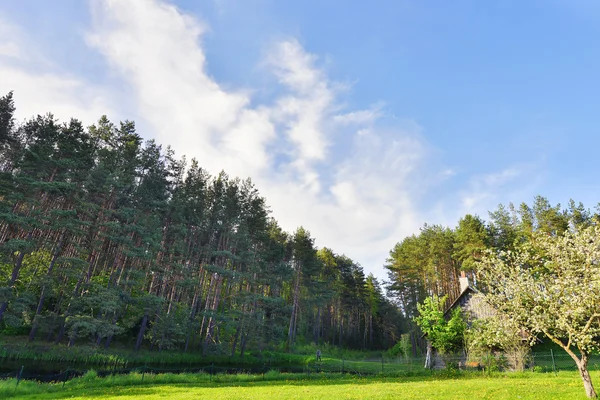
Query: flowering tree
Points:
[551, 286]
[497, 333]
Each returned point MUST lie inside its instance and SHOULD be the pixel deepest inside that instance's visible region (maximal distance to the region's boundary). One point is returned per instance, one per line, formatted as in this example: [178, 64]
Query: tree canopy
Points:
[107, 237]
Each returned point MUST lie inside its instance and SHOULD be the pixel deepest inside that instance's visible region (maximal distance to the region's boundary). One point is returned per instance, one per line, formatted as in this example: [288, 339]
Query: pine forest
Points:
[108, 239]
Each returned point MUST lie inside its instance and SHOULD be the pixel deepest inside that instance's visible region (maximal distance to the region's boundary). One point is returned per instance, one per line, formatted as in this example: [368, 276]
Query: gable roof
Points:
[457, 301]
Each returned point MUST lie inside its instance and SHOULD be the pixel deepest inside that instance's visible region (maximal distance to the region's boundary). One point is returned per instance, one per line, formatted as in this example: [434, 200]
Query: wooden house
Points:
[473, 307]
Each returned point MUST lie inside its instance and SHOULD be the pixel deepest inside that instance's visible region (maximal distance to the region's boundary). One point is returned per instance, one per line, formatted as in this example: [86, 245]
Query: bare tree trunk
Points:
[235, 338]
[293, 318]
[191, 320]
[365, 333]
[140, 337]
[238, 329]
[316, 326]
[585, 377]
[413, 343]
[211, 320]
[371, 329]
[341, 328]
[207, 302]
[581, 366]
[429, 357]
[244, 341]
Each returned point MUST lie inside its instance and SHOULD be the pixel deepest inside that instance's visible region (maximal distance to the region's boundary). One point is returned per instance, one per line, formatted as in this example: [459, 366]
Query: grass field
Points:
[564, 385]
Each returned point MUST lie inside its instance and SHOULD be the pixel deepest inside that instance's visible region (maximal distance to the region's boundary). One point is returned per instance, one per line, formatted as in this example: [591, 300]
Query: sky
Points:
[360, 121]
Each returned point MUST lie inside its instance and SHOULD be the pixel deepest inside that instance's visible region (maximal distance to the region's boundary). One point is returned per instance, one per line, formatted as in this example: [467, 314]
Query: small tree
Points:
[402, 347]
[551, 286]
[446, 336]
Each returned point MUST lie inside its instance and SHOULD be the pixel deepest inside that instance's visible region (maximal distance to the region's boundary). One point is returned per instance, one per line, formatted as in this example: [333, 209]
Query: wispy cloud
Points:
[484, 191]
[359, 204]
[40, 86]
[356, 178]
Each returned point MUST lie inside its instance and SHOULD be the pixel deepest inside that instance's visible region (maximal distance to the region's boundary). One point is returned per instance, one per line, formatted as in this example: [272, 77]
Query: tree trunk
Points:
[211, 320]
[581, 366]
[243, 345]
[429, 357]
[191, 320]
[365, 333]
[207, 302]
[341, 328]
[61, 331]
[316, 329]
[108, 341]
[371, 329]
[238, 329]
[585, 377]
[67, 313]
[140, 337]
[293, 318]
[40, 306]
[14, 276]
[235, 339]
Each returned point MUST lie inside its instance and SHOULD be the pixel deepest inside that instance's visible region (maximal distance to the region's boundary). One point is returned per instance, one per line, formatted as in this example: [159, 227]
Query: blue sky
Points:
[360, 121]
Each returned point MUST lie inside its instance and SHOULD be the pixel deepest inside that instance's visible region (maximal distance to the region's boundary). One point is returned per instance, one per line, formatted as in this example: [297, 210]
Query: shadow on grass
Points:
[173, 389]
[165, 385]
[149, 388]
[155, 385]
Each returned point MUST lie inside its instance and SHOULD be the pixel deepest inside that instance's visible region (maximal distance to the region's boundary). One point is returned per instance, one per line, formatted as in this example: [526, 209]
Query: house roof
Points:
[457, 301]
[468, 290]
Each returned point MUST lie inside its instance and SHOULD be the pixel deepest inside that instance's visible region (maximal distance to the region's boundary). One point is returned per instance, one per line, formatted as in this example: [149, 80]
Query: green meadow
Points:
[274, 385]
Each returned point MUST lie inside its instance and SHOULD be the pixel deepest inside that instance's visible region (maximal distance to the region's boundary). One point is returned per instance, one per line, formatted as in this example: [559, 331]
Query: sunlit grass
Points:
[275, 385]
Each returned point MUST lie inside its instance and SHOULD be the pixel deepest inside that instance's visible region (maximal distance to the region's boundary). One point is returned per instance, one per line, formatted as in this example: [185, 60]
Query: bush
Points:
[494, 363]
[401, 348]
[89, 376]
[272, 374]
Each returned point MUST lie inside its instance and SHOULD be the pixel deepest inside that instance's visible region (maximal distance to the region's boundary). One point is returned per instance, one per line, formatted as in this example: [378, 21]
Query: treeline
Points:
[431, 262]
[105, 237]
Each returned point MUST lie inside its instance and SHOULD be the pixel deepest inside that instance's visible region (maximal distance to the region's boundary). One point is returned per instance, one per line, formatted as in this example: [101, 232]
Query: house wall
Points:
[475, 307]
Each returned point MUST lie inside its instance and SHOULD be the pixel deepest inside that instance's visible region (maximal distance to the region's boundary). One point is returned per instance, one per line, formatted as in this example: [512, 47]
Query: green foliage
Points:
[108, 239]
[471, 241]
[493, 362]
[89, 376]
[402, 348]
[446, 336]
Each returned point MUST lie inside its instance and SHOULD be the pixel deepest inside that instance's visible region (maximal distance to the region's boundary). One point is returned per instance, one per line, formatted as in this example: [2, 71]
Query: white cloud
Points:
[11, 39]
[359, 117]
[354, 184]
[39, 86]
[9, 49]
[304, 110]
[486, 189]
[359, 205]
[156, 50]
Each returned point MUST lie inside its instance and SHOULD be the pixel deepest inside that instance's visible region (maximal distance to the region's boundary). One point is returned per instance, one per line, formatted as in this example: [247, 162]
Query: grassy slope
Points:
[566, 385]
